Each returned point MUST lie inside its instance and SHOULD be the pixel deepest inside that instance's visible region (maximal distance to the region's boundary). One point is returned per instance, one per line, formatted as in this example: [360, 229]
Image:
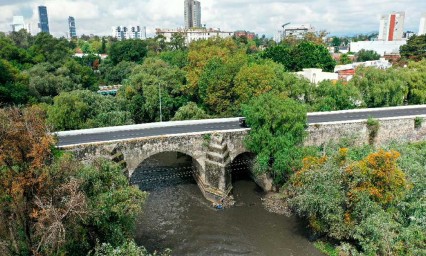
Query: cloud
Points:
[260, 16]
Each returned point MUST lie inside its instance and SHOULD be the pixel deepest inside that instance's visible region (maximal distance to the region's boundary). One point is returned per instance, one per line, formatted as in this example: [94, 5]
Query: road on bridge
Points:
[74, 138]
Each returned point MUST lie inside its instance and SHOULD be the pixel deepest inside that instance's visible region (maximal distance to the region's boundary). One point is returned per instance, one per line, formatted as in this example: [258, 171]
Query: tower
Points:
[192, 14]
[43, 19]
[392, 26]
[71, 25]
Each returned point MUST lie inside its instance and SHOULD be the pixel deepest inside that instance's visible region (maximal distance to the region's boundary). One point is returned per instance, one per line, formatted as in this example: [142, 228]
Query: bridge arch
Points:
[241, 165]
[166, 168]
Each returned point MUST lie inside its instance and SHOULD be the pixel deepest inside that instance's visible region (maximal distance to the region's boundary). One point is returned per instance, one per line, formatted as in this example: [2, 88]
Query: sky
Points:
[347, 17]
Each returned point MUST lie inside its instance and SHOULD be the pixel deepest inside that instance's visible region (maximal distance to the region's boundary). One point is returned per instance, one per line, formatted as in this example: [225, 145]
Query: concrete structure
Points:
[297, 31]
[391, 27]
[422, 26]
[18, 23]
[43, 24]
[130, 32]
[193, 34]
[109, 90]
[381, 47]
[192, 14]
[316, 75]
[71, 26]
[346, 72]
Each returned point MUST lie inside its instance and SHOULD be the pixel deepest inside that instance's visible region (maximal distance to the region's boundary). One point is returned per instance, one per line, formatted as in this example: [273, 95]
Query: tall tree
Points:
[366, 55]
[415, 48]
[277, 131]
[128, 50]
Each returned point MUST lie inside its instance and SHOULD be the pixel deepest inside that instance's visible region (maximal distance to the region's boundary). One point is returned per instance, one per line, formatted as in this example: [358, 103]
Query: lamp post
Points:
[159, 96]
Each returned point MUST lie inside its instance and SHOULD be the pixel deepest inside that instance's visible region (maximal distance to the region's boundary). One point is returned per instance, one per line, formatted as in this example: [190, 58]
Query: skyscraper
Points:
[422, 27]
[43, 19]
[71, 25]
[392, 26]
[192, 13]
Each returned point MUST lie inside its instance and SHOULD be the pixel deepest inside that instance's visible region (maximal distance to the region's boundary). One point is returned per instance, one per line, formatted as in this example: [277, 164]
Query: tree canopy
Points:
[277, 131]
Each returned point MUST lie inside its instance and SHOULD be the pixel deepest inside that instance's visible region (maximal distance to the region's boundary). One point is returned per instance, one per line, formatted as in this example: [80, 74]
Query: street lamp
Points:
[159, 96]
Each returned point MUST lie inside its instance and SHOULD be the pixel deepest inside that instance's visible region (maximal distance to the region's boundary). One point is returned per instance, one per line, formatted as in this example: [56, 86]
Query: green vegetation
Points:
[366, 55]
[304, 54]
[373, 129]
[366, 201]
[418, 122]
[209, 78]
[415, 48]
[52, 205]
[362, 200]
[277, 131]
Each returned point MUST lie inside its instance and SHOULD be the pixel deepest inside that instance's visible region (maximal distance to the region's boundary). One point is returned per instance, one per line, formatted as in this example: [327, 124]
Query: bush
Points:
[368, 206]
[373, 129]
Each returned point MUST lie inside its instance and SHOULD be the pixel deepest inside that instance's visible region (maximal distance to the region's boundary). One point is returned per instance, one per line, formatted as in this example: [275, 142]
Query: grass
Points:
[326, 248]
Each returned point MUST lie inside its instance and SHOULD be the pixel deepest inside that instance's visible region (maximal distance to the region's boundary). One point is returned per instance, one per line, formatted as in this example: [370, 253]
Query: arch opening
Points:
[166, 169]
[241, 167]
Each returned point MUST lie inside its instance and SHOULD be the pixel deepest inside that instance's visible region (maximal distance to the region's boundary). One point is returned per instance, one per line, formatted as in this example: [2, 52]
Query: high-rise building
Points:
[422, 27]
[391, 27]
[192, 13]
[71, 25]
[18, 23]
[43, 24]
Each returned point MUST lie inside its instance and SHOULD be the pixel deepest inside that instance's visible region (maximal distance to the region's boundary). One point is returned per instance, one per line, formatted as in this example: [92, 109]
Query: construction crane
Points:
[285, 25]
[284, 30]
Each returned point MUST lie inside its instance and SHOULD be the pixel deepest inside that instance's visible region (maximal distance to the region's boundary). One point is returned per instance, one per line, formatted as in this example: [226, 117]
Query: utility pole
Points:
[159, 95]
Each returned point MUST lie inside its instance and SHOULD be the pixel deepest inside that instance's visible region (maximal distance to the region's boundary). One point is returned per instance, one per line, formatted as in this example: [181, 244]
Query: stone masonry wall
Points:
[391, 129]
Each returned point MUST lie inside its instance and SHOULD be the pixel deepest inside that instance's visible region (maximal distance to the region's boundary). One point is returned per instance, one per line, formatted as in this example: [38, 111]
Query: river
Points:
[177, 216]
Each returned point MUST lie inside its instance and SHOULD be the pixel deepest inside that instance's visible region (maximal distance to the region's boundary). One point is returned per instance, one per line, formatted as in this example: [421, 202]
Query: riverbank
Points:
[273, 202]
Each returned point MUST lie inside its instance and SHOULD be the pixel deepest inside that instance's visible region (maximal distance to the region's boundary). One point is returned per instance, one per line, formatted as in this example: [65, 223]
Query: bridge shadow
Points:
[241, 167]
[164, 170]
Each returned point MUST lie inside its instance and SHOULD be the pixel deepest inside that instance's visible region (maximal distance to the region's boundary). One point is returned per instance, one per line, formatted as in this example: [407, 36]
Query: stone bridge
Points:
[211, 153]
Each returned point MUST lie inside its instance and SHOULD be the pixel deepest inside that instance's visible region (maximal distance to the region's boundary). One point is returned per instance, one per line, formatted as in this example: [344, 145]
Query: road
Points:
[105, 135]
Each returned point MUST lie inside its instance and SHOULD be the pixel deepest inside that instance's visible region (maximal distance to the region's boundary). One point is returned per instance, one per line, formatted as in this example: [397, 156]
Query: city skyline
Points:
[262, 17]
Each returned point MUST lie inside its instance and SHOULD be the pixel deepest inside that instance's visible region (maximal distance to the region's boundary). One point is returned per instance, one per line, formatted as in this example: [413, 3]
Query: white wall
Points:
[422, 27]
[315, 75]
[381, 47]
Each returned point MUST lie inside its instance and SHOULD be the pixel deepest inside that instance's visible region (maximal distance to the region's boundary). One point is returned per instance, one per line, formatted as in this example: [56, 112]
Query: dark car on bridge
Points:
[242, 122]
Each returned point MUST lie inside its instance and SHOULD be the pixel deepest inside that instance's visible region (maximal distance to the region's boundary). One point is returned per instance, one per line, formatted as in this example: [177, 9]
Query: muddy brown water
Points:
[177, 216]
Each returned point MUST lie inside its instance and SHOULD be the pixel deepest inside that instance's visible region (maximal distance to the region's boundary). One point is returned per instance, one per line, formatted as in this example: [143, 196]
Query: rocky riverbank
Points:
[273, 202]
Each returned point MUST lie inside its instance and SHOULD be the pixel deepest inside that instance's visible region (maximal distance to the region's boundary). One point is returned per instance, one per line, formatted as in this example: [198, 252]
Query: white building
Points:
[192, 14]
[193, 34]
[315, 75]
[381, 47]
[130, 32]
[422, 27]
[278, 36]
[382, 63]
[297, 31]
[18, 23]
[392, 27]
